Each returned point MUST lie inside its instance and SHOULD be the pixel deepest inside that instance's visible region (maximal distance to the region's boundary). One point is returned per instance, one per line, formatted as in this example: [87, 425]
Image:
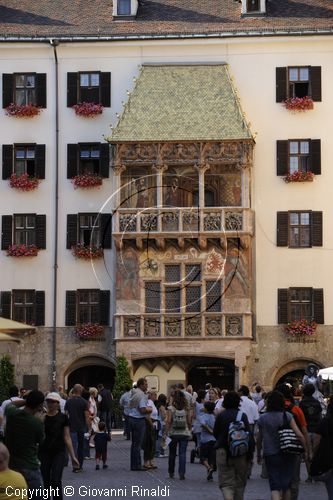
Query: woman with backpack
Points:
[232, 433]
[178, 427]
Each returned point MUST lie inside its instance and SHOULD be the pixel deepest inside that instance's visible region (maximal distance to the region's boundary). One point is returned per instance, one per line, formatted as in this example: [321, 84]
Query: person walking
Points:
[280, 466]
[139, 409]
[250, 408]
[149, 442]
[101, 439]
[105, 401]
[312, 412]
[322, 463]
[178, 425]
[124, 404]
[232, 471]
[10, 478]
[52, 451]
[79, 422]
[161, 405]
[207, 439]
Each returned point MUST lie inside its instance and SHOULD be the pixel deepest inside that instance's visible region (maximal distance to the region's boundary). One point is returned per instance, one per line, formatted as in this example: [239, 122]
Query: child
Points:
[101, 439]
[207, 450]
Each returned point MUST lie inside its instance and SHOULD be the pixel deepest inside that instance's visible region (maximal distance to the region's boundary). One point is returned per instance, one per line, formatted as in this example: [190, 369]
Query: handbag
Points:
[289, 442]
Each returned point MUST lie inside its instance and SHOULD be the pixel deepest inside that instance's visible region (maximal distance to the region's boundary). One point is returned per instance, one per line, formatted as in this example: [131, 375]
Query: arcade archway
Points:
[293, 372]
[89, 371]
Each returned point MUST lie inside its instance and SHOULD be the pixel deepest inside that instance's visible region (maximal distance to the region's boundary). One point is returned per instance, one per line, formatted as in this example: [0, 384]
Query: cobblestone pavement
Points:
[118, 475]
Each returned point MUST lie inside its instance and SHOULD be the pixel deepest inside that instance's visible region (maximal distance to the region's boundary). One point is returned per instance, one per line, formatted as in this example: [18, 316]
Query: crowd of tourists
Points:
[229, 429]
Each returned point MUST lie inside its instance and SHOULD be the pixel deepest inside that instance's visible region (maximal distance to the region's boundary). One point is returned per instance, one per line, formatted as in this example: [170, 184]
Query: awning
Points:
[326, 373]
[14, 327]
[4, 337]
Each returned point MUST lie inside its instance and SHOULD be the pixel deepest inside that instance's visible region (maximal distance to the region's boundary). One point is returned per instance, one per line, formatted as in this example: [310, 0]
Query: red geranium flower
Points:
[87, 181]
[299, 177]
[87, 252]
[88, 109]
[22, 251]
[23, 182]
[301, 327]
[299, 103]
[89, 330]
[23, 111]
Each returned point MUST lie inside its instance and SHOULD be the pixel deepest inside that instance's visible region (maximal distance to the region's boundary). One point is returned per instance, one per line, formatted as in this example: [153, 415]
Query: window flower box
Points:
[23, 182]
[87, 181]
[299, 103]
[89, 331]
[23, 111]
[301, 329]
[299, 177]
[22, 251]
[87, 252]
[88, 109]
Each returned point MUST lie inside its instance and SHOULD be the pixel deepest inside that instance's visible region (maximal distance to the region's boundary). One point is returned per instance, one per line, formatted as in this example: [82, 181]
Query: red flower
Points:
[88, 109]
[87, 181]
[23, 111]
[87, 252]
[299, 177]
[299, 103]
[89, 330]
[301, 327]
[23, 182]
[22, 251]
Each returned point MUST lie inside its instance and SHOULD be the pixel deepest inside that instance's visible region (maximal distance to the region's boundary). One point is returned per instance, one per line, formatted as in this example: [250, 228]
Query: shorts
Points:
[280, 470]
[208, 452]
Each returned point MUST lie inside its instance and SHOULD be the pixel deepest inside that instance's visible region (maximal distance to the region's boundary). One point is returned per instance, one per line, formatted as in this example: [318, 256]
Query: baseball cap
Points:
[53, 396]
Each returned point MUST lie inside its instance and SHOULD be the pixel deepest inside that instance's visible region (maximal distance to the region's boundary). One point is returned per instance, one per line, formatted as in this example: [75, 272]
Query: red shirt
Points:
[297, 413]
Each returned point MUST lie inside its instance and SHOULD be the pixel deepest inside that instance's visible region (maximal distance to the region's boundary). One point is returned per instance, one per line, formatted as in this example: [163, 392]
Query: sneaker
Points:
[105, 466]
[97, 467]
[182, 476]
[210, 474]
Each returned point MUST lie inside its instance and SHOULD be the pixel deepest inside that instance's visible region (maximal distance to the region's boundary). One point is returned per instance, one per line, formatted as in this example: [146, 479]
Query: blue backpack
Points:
[238, 437]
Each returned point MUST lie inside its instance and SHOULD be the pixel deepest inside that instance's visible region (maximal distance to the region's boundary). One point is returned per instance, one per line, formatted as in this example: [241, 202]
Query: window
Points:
[23, 159]
[89, 86]
[26, 306]
[298, 155]
[23, 229]
[89, 229]
[87, 306]
[182, 291]
[253, 5]
[299, 229]
[23, 89]
[87, 159]
[298, 81]
[124, 8]
[298, 303]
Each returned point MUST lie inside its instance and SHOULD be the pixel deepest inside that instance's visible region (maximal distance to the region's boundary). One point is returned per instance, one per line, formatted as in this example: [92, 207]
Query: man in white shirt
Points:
[13, 396]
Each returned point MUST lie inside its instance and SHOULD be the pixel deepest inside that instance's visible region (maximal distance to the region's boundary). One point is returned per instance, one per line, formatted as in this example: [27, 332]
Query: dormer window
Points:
[253, 7]
[125, 9]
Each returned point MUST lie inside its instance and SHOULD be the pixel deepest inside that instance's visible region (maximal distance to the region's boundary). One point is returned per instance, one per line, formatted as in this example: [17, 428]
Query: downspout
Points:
[54, 43]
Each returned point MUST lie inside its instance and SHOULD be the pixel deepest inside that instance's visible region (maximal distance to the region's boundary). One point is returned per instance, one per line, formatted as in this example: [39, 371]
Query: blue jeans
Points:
[182, 442]
[138, 429]
[127, 427]
[105, 416]
[34, 481]
[78, 445]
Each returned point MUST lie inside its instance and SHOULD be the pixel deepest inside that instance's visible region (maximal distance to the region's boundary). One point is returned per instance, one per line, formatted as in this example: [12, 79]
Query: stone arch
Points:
[293, 365]
[88, 362]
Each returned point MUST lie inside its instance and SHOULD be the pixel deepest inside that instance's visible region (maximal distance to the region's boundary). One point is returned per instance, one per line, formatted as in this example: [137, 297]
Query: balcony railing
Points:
[208, 325]
[182, 221]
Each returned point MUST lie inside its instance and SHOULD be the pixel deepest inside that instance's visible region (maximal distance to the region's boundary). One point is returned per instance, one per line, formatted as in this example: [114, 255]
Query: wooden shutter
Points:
[282, 226]
[72, 160]
[315, 75]
[70, 308]
[7, 90]
[315, 156]
[105, 223]
[104, 160]
[282, 148]
[281, 84]
[6, 304]
[7, 160]
[41, 90]
[318, 305]
[106, 89]
[317, 229]
[282, 306]
[7, 231]
[40, 308]
[40, 161]
[104, 304]
[72, 83]
[72, 223]
[41, 231]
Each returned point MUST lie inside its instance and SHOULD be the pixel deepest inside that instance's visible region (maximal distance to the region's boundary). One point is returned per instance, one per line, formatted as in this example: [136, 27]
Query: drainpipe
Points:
[54, 43]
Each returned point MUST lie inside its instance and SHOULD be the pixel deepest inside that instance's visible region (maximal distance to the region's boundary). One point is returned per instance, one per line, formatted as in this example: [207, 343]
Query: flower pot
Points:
[22, 251]
[22, 111]
[299, 177]
[298, 103]
[23, 182]
[89, 331]
[88, 109]
[87, 252]
[87, 181]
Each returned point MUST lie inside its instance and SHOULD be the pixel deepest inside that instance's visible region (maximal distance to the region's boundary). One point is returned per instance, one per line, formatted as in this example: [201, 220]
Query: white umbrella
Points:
[326, 373]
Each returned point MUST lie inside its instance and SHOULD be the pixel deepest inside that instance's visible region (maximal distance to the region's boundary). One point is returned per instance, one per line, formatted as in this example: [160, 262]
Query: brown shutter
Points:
[317, 229]
[41, 231]
[282, 306]
[72, 84]
[104, 160]
[104, 304]
[70, 308]
[106, 222]
[7, 90]
[318, 305]
[5, 304]
[40, 161]
[106, 89]
[72, 160]
[41, 90]
[282, 226]
[315, 75]
[7, 230]
[40, 308]
[72, 223]
[315, 156]
[7, 160]
[282, 149]
[281, 84]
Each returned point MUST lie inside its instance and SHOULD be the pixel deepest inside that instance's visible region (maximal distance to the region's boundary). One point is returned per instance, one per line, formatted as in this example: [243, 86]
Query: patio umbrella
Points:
[4, 337]
[10, 326]
[326, 373]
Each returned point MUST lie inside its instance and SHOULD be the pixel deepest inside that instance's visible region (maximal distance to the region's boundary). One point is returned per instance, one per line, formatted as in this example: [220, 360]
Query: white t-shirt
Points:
[2, 410]
[250, 409]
